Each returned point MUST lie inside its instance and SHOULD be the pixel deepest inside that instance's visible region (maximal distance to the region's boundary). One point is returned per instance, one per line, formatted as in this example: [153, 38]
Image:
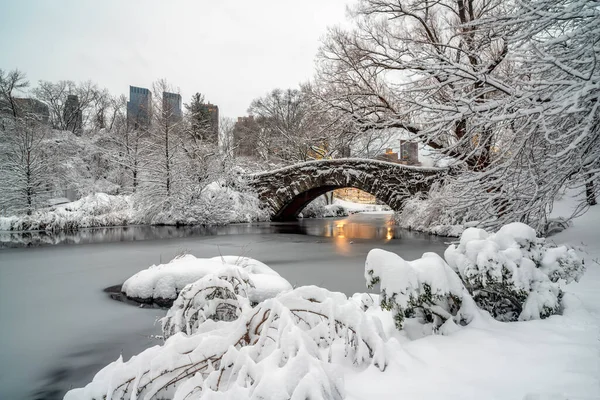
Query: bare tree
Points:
[11, 83]
[287, 127]
[69, 116]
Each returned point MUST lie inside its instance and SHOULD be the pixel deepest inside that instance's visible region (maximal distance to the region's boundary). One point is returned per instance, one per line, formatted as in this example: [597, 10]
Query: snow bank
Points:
[97, 210]
[512, 273]
[215, 204]
[162, 283]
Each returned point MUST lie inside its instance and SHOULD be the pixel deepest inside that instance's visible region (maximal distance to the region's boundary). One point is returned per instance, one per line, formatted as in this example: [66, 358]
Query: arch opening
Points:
[291, 210]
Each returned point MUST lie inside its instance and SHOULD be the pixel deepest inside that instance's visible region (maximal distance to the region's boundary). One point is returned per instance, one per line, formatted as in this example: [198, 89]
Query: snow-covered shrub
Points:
[280, 349]
[513, 274]
[161, 284]
[217, 296]
[425, 289]
[318, 208]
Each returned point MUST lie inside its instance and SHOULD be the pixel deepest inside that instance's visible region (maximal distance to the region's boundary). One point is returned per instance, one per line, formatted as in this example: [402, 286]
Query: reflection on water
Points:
[357, 226]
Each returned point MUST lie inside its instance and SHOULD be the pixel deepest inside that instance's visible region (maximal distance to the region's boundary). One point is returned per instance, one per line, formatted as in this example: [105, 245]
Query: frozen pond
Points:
[58, 327]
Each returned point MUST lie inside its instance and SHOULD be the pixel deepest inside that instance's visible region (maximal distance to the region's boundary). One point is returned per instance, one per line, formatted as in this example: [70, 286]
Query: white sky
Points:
[232, 51]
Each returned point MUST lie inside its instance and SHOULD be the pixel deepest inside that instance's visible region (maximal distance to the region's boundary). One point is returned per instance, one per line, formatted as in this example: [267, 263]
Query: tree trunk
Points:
[590, 194]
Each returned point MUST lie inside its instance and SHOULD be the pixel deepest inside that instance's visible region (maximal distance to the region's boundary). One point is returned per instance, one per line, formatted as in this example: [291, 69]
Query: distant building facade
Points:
[72, 114]
[409, 152]
[25, 108]
[172, 106]
[389, 156]
[212, 113]
[243, 142]
[139, 108]
[408, 155]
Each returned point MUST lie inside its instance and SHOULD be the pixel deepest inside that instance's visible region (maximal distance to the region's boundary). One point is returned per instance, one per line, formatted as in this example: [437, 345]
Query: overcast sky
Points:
[232, 51]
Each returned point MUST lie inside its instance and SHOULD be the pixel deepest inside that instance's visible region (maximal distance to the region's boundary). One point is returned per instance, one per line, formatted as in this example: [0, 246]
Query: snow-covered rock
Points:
[162, 283]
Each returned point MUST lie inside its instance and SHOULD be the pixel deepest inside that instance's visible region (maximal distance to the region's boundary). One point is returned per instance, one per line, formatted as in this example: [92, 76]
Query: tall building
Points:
[72, 114]
[139, 108]
[172, 106]
[212, 111]
[244, 142]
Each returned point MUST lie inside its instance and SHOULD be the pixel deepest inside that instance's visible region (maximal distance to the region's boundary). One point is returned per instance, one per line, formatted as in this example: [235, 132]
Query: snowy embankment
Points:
[215, 205]
[92, 211]
[432, 332]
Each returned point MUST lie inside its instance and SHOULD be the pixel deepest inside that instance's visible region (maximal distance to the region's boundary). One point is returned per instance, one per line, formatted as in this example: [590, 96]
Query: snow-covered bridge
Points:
[288, 190]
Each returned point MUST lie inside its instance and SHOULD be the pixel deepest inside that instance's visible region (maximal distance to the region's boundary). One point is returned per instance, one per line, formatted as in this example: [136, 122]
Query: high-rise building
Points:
[172, 106]
[72, 114]
[244, 142]
[139, 108]
[212, 111]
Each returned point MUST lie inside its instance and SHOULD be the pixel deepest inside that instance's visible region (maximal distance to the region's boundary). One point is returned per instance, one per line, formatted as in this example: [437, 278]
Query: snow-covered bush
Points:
[425, 289]
[323, 211]
[280, 349]
[217, 296]
[513, 274]
[161, 284]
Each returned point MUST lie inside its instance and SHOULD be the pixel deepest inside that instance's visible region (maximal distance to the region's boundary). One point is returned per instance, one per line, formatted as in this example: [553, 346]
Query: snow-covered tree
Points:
[26, 178]
[506, 89]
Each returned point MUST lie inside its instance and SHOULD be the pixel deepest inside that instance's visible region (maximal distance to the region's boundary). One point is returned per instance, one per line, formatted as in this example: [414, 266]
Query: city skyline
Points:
[247, 49]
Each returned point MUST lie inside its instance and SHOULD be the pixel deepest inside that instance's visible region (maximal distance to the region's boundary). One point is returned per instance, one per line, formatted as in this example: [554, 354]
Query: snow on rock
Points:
[162, 283]
[512, 273]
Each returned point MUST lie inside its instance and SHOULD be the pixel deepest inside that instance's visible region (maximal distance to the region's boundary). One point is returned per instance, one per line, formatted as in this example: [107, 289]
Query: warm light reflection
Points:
[390, 234]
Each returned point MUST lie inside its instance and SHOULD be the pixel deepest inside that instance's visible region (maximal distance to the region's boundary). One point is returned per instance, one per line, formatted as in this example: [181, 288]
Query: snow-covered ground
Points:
[340, 208]
[557, 358]
[554, 358]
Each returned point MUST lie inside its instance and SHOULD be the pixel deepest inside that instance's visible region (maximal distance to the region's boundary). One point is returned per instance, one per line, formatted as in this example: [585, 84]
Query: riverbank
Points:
[215, 205]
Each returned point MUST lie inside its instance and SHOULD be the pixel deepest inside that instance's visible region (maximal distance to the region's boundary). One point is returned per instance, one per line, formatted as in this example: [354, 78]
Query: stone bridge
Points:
[288, 190]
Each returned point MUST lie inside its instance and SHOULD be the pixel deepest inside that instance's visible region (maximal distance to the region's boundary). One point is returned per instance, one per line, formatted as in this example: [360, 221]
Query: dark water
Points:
[58, 327]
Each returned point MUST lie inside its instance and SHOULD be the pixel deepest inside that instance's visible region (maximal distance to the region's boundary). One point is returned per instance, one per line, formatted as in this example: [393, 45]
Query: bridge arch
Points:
[286, 191]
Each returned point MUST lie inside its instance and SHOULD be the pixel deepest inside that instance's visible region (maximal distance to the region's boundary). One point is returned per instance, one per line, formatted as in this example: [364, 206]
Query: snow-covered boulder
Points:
[162, 283]
[426, 289]
[513, 274]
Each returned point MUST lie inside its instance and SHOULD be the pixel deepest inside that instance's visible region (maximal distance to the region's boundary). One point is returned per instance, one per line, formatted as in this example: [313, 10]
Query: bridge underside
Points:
[290, 211]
